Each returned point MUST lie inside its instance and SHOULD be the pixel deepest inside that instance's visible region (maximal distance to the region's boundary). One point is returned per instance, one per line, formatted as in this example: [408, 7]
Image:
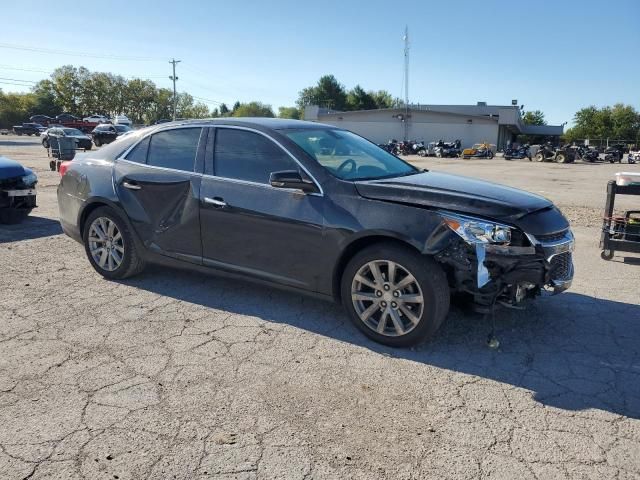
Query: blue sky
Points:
[556, 56]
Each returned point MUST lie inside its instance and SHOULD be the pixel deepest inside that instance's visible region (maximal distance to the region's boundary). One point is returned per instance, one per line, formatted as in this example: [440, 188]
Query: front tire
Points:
[395, 296]
[110, 245]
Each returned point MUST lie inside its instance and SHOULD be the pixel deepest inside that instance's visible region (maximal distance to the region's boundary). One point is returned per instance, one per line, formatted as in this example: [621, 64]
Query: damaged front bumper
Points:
[510, 274]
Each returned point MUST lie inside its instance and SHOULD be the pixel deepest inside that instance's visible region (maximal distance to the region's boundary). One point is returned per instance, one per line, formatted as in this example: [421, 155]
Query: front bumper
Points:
[511, 274]
[21, 198]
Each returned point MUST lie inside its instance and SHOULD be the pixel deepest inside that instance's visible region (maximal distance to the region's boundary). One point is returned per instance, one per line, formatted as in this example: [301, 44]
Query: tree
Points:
[14, 108]
[620, 122]
[535, 117]
[234, 108]
[358, 99]
[328, 92]
[252, 109]
[290, 112]
[625, 122]
[224, 110]
[383, 99]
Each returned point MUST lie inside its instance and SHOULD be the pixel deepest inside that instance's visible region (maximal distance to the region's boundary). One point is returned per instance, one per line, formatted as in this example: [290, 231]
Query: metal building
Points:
[496, 124]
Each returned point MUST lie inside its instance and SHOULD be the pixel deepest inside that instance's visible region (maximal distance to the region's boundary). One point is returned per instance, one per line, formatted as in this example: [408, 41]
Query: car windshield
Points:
[72, 131]
[349, 156]
[122, 128]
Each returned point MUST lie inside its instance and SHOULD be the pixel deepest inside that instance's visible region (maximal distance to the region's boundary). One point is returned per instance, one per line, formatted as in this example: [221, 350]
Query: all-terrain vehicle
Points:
[547, 153]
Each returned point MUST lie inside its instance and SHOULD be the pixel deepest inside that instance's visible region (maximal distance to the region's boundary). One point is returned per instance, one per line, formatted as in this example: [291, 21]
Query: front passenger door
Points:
[158, 184]
[250, 227]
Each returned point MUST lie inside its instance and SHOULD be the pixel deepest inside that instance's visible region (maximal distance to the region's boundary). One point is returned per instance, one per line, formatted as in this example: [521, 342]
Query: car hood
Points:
[80, 137]
[455, 193]
[11, 169]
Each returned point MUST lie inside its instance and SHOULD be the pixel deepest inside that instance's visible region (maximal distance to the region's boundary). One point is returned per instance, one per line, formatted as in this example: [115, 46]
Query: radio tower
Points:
[406, 82]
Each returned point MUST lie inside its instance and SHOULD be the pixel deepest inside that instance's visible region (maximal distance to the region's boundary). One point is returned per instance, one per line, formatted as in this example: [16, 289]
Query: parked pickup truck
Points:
[17, 191]
[28, 129]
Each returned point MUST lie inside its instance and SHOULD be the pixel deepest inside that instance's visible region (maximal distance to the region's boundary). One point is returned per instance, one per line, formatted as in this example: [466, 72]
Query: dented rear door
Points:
[158, 185]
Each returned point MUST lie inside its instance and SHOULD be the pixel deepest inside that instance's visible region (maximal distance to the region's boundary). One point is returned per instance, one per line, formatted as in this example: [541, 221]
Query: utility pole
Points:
[406, 82]
[174, 78]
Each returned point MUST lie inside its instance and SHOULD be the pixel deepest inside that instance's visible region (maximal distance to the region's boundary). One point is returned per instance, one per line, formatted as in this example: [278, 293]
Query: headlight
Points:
[477, 230]
[30, 179]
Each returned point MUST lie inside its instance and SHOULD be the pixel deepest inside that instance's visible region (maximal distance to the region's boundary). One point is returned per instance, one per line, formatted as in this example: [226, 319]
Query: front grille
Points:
[551, 237]
[561, 267]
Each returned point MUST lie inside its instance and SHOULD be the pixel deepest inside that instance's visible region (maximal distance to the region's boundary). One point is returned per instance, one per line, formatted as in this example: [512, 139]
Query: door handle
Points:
[131, 185]
[217, 202]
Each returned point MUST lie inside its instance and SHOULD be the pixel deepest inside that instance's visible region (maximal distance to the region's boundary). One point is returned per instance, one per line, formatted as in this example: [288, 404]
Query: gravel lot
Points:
[179, 375]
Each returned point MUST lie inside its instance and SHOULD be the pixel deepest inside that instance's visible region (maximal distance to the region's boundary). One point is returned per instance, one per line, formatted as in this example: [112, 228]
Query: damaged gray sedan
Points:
[314, 209]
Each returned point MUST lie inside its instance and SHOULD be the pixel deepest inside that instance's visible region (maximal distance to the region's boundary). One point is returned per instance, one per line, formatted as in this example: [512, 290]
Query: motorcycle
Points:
[447, 149]
[390, 146]
[518, 153]
[613, 154]
[419, 148]
[589, 155]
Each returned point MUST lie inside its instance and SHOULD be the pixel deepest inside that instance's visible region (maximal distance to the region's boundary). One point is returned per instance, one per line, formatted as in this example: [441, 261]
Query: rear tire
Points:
[539, 157]
[131, 262]
[417, 321]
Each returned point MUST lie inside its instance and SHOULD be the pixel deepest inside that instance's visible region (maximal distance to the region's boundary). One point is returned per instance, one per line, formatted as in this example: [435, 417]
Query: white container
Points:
[627, 178]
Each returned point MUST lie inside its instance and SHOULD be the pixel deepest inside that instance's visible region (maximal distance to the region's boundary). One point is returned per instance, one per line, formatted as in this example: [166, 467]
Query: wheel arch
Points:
[357, 245]
[96, 203]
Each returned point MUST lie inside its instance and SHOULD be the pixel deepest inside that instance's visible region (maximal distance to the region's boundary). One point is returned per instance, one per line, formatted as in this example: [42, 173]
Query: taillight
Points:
[63, 167]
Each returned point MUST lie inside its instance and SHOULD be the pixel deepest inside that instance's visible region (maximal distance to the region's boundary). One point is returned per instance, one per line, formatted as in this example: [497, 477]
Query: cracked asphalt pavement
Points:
[180, 375]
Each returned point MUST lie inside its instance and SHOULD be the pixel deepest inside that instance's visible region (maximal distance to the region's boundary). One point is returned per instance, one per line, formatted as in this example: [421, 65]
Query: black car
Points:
[28, 129]
[107, 133]
[17, 191]
[67, 117]
[43, 119]
[82, 140]
[317, 209]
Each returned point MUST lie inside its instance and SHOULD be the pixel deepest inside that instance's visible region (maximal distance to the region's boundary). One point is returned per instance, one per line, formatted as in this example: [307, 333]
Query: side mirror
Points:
[292, 179]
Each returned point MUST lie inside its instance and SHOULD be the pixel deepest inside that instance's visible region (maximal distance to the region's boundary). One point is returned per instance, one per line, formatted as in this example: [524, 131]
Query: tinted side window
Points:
[249, 156]
[139, 152]
[174, 149]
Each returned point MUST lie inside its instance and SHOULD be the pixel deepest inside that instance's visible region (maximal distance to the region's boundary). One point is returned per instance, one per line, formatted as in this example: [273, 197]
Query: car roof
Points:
[254, 122]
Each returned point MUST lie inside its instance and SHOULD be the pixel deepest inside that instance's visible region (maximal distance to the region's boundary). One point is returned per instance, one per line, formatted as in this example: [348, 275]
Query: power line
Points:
[18, 80]
[76, 54]
[9, 67]
[207, 100]
[17, 84]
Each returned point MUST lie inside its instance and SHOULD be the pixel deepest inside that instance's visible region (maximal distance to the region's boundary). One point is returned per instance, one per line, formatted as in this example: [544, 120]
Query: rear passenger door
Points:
[250, 227]
[158, 184]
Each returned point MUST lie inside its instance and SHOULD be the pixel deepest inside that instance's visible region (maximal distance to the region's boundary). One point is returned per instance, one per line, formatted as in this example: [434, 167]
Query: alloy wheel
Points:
[387, 298]
[106, 245]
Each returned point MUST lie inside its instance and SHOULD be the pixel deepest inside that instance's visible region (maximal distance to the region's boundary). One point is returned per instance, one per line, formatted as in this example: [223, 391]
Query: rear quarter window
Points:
[117, 148]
